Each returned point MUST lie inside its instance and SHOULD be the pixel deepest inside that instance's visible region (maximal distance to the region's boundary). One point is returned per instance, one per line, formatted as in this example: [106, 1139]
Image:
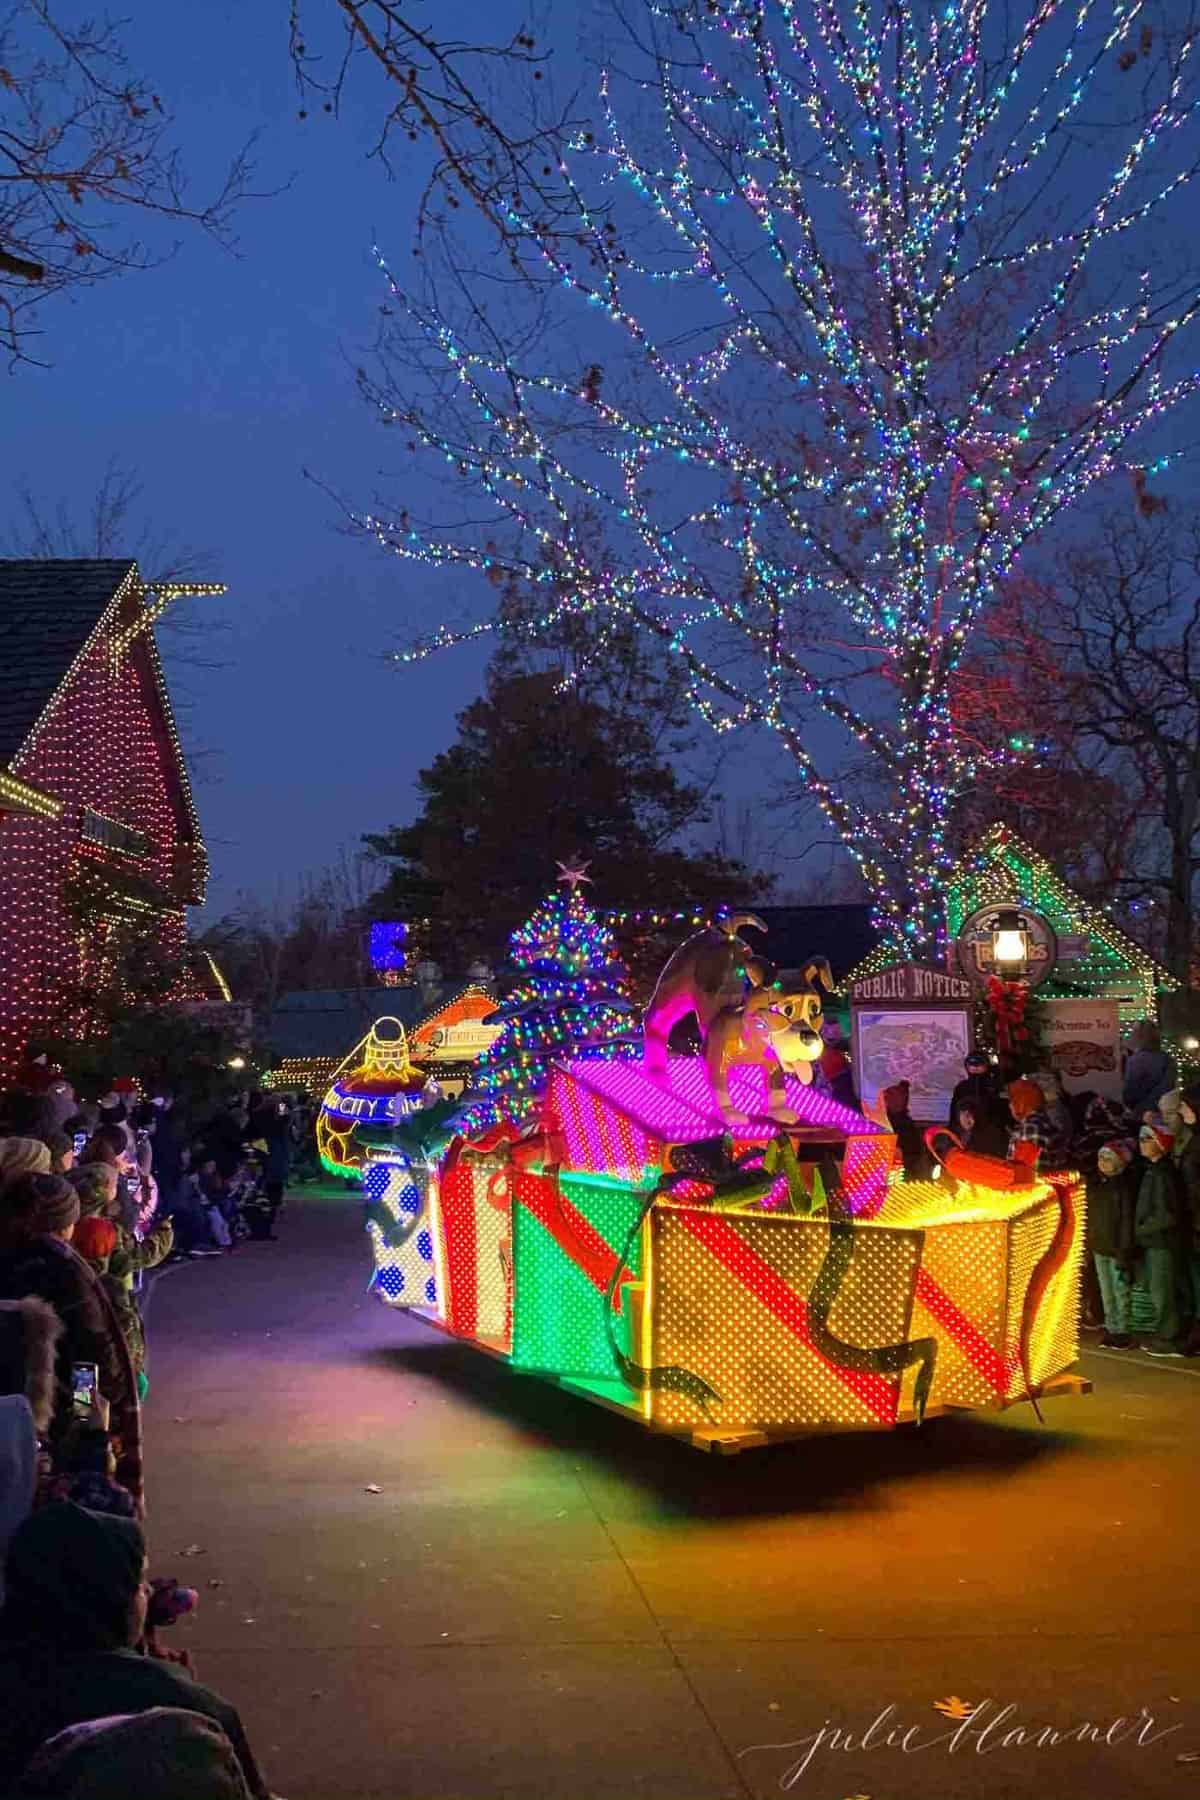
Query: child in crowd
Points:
[1158, 1222]
[129, 1256]
[1032, 1133]
[1112, 1194]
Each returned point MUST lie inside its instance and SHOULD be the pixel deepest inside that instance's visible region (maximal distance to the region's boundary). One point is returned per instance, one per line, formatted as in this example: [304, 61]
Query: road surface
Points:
[424, 1576]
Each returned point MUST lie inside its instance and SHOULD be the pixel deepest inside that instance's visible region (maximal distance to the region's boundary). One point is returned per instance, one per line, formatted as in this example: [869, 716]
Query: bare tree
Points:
[439, 93]
[853, 306]
[87, 163]
[1128, 628]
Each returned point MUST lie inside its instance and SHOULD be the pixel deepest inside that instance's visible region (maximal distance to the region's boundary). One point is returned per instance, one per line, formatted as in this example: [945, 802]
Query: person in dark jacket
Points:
[73, 1617]
[37, 1219]
[1187, 1161]
[1112, 1193]
[980, 1130]
[271, 1125]
[978, 1091]
[1149, 1073]
[1157, 1223]
[167, 1139]
[917, 1161]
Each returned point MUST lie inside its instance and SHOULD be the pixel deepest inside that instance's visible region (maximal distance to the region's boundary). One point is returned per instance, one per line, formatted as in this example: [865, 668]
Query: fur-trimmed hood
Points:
[29, 1334]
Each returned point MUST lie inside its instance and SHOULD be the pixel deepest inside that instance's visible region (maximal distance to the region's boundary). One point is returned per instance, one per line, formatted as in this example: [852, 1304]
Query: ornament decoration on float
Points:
[380, 1087]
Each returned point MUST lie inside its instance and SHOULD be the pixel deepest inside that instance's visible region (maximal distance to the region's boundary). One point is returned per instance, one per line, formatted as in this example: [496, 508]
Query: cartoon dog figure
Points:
[745, 1015]
[777, 1026]
[705, 976]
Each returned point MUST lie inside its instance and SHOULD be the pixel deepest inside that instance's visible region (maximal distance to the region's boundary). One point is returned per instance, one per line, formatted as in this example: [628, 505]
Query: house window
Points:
[96, 829]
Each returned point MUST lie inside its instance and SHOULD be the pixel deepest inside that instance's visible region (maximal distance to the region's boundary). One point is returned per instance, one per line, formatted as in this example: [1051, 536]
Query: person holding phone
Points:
[37, 1221]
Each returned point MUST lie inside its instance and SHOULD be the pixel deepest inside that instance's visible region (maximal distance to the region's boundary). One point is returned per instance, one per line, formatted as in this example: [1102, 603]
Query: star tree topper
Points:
[575, 874]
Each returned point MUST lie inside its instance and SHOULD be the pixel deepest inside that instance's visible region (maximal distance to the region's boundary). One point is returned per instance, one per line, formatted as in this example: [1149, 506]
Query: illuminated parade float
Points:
[709, 1243]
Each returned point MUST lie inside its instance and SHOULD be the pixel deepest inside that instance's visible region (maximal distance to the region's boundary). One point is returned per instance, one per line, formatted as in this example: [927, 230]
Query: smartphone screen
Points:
[84, 1382]
[81, 1138]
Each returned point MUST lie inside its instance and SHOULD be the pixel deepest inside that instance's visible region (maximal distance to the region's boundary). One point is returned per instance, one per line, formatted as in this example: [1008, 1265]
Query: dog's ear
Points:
[818, 969]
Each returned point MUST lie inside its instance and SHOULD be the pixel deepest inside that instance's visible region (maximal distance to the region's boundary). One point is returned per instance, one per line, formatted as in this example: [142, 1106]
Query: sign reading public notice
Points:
[1082, 1040]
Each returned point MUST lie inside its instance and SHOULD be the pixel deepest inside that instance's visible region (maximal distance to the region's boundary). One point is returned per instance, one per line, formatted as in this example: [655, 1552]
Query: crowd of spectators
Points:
[93, 1195]
[1140, 1158]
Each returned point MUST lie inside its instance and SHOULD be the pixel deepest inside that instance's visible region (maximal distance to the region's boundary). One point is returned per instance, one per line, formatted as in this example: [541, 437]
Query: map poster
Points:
[923, 1047]
[1082, 1040]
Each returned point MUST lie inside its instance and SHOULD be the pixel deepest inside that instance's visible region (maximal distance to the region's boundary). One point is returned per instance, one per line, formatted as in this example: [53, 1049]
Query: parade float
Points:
[710, 1244]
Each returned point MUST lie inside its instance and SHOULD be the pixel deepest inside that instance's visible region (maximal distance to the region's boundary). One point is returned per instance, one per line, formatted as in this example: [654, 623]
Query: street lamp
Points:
[237, 1062]
[1010, 943]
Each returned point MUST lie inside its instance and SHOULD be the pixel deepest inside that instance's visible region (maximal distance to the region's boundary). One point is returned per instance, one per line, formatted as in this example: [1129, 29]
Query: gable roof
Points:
[49, 611]
[1000, 848]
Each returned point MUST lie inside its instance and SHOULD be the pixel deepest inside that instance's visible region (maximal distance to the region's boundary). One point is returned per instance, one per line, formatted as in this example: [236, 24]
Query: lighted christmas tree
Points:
[571, 1000]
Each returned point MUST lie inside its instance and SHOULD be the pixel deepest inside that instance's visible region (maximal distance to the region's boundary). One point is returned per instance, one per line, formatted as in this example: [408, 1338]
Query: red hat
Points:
[95, 1238]
[1122, 1148]
[1154, 1125]
[1025, 1097]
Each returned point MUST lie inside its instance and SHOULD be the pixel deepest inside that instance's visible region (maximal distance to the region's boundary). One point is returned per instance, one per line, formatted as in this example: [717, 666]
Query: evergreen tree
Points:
[571, 999]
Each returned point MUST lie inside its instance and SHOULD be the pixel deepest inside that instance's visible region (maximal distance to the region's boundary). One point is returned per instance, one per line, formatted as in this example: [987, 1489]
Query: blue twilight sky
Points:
[219, 379]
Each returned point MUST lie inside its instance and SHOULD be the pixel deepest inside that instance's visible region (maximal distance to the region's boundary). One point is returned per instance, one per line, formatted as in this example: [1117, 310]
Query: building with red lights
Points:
[97, 824]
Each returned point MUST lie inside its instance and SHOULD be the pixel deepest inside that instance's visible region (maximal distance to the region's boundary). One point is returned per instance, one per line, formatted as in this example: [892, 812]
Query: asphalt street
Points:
[423, 1575]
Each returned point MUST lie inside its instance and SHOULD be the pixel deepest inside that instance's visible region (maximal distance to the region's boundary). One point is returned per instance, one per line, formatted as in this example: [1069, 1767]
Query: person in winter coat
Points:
[978, 1091]
[980, 1130]
[1187, 1161]
[37, 1220]
[1057, 1154]
[72, 1639]
[835, 1067]
[1157, 1222]
[128, 1257]
[1149, 1073]
[1030, 1137]
[918, 1163]
[1111, 1205]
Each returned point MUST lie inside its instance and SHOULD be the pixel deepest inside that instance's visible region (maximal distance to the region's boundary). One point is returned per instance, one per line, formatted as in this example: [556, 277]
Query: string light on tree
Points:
[571, 999]
[901, 366]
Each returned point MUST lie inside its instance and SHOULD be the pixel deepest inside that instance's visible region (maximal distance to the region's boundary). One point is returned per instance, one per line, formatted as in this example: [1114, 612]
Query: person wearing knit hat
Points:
[96, 1185]
[38, 1206]
[74, 1608]
[22, 1156]
[95, 1239]
[1155, 1129]
[1031, 1133]
[1111, 1199]
[1159, 1222]
[37, 1220]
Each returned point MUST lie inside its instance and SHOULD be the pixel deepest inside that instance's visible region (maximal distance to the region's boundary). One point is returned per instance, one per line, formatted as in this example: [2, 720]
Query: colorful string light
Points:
[811, 501]
[571, 999]
[96, 804]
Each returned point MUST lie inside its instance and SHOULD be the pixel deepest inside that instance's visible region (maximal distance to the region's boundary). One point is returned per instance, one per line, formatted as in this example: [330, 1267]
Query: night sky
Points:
[220, 379]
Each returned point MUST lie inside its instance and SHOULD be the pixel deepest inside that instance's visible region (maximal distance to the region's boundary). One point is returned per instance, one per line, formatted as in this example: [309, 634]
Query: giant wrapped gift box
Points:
[569, 1229]
[732, 1293]
[475, 1214]
[400, 1199]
